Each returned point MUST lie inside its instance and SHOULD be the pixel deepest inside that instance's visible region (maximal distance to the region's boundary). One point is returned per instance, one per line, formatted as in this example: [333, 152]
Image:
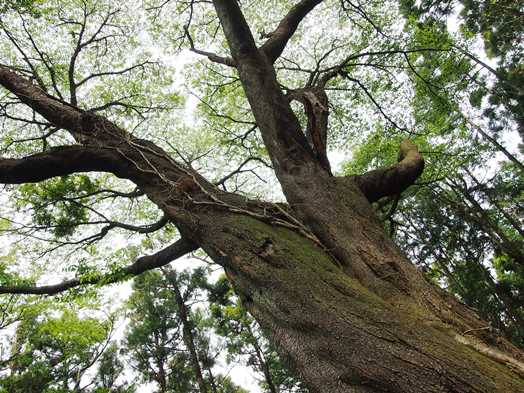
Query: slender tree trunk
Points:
[262, 363]
[161, 375]
[495, 143]
[509, 218]
[212, 381]
[509, 246]
[187, 334]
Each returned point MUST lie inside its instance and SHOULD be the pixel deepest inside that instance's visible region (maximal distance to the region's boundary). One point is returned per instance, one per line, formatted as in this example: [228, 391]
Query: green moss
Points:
[296, 246]
[307, 268]
[307, 262]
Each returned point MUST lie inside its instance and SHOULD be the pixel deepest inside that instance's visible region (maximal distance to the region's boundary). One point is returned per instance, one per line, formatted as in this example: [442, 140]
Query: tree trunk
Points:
[187, 333]
[338, 335]
[262, 363]
[211, 378]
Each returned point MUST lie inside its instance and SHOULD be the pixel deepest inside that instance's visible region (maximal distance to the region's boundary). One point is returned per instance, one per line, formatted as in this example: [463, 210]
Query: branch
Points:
[142, 264]
[280, 128]
[141, 65]
[57, 112]
[359, 10]
[393, 180]
[135, 228]
[34, 72]
[60, 161]
[338, 70]
[374, 101]
[45, 59]
[279, 38]
[211, 56]
[61, 114]
[237, 32]
[239, 169]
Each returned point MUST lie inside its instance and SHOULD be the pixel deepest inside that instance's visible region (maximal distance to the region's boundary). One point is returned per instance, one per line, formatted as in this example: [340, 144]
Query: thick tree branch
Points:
[281, 130]
[57, 112]
[26, 58]
[82, 124]
[119, 152]
[394, 179]
[279, 38]
[237, 32]
[142, 264]
[60, 161]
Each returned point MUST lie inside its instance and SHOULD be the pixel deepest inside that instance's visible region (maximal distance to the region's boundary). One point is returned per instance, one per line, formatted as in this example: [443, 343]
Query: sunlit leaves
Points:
[53, 202]
[22, 6]
[53, 350]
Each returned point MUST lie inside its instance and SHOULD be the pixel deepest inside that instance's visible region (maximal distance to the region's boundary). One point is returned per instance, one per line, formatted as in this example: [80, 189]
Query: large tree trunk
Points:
[341, 336]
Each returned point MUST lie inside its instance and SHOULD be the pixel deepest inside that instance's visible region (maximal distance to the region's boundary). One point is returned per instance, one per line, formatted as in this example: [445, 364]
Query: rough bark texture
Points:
[335, 295]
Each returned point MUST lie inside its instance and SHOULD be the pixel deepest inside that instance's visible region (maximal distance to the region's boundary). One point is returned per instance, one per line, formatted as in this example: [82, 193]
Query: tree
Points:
[165, 340]
[245, 341]
[110, 371]
[154, 337]
[499, 26]
[337, 298]
[58, 354]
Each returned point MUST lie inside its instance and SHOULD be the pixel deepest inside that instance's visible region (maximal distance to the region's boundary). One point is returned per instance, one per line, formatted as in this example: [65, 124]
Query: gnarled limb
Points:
[60, 161]
[237, 32]
[279, 38]
[142, 264]
[393, 180]
[59, 113]
[54, 110]
[316, 104]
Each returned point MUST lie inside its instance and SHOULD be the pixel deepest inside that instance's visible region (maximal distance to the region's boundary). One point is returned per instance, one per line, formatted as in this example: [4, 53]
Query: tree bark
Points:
[340, 336]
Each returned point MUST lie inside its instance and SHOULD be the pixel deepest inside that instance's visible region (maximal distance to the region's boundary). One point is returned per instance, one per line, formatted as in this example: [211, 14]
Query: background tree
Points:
[244, 340]
[165, 340]
[499, 26]
[59, 354]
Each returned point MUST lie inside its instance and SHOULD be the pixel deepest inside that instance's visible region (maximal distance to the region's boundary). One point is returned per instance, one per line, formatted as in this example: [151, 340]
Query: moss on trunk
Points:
[338, 335]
